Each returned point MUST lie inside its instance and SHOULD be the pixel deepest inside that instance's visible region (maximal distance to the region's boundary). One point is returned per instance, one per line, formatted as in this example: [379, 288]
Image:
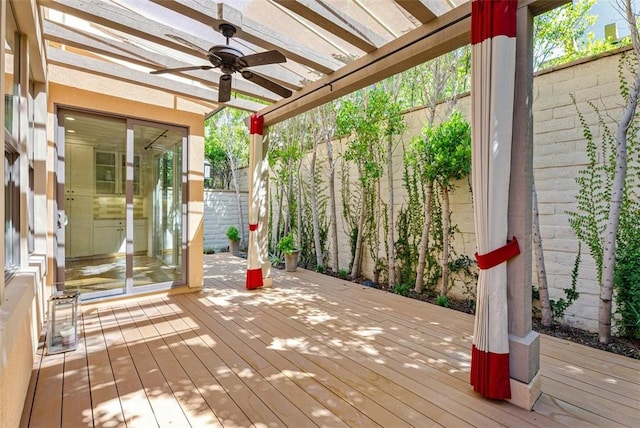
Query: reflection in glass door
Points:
[160, 151]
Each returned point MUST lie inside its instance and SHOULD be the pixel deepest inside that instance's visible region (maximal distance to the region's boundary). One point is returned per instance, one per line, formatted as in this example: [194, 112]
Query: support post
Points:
[254, 262]
[524, 343]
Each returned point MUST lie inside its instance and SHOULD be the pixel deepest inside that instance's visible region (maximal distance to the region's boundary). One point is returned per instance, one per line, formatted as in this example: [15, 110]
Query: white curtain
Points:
[492, 91]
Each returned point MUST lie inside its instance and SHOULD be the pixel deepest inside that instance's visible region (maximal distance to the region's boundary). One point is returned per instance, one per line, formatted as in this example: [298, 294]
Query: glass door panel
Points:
[94, 208]
[157, 200]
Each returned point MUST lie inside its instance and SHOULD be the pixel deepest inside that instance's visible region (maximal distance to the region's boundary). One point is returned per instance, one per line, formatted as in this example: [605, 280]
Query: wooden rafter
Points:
[111, 16]
[335, 22]
[424, 10]
[136, 55]
[214, 14]
[441, 35]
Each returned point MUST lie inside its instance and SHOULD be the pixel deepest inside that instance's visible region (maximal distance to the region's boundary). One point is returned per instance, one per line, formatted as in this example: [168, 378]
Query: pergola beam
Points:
[429, 41]
[131, 53]
[424, 10]
[214, 14]
[335, 22]
[111, 16]
[125, 74]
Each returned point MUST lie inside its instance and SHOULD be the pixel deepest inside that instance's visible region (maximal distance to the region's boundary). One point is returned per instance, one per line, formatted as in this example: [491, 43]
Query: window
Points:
[11, 212]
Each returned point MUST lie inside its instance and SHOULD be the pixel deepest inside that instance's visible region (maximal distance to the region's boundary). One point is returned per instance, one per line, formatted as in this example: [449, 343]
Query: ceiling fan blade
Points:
[224, 89]
[262, 58]
[267, 84]
[178, 69]
[188, 44]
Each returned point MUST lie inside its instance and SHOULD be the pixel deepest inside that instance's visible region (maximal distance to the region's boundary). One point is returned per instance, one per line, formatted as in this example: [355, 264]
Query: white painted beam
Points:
[429, 41]
[137, 55]
[424, 10]
[214, 14]
[335, 22]
[112, 16]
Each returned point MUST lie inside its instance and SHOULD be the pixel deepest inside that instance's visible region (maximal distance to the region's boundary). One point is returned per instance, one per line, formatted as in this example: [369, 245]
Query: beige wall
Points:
[73, 89]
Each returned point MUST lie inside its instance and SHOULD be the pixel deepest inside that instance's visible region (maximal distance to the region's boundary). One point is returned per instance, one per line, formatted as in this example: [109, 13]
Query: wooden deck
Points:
[312, 351]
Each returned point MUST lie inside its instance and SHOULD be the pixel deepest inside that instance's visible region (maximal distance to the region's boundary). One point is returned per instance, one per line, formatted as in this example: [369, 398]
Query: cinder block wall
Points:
[220, 212]
[559, 153]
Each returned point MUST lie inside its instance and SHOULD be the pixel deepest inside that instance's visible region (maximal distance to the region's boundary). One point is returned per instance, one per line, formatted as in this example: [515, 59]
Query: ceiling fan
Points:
[229, 60]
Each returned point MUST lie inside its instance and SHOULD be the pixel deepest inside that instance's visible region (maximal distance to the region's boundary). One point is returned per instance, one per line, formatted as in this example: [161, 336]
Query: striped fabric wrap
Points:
[493, 31]
[254, 264]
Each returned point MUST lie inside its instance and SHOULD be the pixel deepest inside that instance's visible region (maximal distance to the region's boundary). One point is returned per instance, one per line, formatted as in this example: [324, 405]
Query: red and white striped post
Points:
[493, 39]
[254, 262]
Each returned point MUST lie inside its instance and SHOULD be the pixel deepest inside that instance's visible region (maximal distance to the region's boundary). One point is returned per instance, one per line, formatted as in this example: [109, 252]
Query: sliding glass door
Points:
[123, 209]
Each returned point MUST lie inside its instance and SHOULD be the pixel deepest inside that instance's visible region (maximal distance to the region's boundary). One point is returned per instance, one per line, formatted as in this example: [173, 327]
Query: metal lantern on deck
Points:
[62, 332]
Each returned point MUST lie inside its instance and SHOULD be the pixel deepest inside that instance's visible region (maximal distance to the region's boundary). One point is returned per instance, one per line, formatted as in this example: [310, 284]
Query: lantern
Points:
[62, 332]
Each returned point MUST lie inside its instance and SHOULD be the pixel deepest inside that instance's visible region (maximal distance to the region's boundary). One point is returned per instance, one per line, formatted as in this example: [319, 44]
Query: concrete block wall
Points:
[559, 153]
[220, 212]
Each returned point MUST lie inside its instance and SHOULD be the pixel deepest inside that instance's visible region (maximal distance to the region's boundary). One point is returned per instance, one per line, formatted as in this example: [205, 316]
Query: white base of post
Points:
[525, 395]
[267, 280]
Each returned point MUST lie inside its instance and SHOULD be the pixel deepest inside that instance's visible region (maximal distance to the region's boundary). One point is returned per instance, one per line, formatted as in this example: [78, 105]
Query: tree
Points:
[227, 129]
[605, 199]
[450, 146]
[327, 117]
[360, 119]
[561, 35]
[629, 113]
[316, 137]
[394, 126]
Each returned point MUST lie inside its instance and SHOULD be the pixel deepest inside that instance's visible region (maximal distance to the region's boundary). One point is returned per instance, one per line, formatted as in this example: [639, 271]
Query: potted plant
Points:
[288, 247]
[234, 240]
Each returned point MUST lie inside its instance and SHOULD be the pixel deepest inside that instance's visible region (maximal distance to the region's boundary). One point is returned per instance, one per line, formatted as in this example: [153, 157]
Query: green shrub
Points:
[342, 273]
[287, 244]
[233, 234]
[402, 289]
[627, 286]
[442, 301]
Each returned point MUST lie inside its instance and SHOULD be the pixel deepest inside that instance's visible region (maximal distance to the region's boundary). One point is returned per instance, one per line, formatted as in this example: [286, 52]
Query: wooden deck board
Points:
[312, 351]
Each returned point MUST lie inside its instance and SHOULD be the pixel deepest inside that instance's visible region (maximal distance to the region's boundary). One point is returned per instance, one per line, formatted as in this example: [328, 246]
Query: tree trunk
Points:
[333, 217]
[299, 207]
[276, 231]
[314, 206]
[446, 225]
[391, 259]
[543, 289]
[357, 257]
[236, 186]
[617, 194]
[424, 240]
[287, 220]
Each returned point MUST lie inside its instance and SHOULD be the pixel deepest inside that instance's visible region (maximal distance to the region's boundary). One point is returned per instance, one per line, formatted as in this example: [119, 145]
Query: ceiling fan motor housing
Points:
[224, 56]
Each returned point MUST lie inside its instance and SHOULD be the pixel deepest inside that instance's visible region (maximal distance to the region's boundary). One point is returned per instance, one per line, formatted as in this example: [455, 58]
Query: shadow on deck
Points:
[312, 351]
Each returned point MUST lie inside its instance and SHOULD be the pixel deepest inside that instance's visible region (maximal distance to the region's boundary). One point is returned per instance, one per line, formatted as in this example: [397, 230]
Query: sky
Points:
[607, 13]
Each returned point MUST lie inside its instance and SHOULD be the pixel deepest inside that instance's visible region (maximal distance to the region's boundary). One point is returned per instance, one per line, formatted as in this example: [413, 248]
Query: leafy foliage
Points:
[226, 145]
[627, 284]
[558, 307]
[589, 219]
[233, 234]
[287, 244]
[561, 35]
